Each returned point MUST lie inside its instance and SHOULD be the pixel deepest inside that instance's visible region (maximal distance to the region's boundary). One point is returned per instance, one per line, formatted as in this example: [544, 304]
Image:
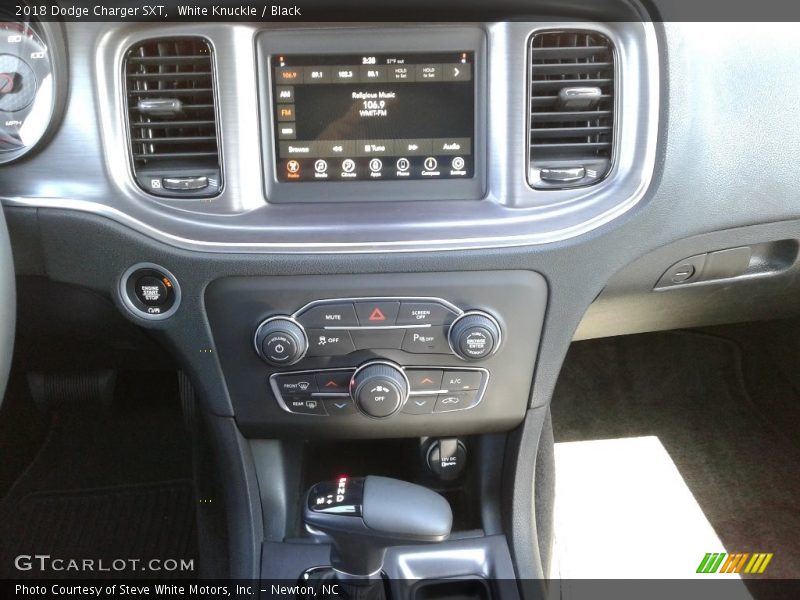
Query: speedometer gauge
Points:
[27, 89]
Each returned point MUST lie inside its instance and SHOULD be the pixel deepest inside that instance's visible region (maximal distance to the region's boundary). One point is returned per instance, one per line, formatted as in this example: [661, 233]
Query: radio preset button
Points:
[402, 73]
[373, 73]
[289, 74]
[317, 75]
[429, 72]
[344, 74]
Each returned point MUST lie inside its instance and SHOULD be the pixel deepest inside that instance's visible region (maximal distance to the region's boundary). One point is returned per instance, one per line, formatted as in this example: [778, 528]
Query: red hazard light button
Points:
[377, 314]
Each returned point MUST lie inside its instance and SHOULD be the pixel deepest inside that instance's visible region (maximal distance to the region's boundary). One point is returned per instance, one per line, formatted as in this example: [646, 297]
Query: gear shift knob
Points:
[365, 515]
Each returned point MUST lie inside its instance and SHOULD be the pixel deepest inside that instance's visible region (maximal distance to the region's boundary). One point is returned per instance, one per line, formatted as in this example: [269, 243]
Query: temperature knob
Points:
[379, 389]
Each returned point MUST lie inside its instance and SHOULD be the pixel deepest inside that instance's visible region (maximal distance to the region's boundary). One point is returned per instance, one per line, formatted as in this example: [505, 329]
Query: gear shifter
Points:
[364, 516]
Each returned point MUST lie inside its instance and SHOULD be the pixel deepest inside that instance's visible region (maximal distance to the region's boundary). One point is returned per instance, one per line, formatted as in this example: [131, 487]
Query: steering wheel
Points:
[8, 305]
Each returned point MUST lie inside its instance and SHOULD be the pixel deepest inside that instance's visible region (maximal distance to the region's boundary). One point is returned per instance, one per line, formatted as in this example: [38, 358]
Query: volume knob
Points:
[281, 341]
[475, 335]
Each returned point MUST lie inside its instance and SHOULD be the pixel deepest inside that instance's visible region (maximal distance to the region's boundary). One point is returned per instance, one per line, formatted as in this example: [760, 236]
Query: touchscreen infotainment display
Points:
[374, 117]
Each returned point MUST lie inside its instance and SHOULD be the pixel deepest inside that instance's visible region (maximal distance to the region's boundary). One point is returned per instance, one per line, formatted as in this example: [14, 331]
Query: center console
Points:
[371, 356]
[348, 379]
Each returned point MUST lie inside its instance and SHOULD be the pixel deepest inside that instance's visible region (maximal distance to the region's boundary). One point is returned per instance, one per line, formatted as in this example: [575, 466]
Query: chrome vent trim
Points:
[170, 93]
[572, 108]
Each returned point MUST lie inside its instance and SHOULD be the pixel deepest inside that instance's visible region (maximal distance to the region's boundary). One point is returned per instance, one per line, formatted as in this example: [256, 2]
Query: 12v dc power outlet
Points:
[447, 458]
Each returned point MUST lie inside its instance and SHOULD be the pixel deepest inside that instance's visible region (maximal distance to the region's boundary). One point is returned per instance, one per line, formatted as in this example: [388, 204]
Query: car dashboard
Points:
[375, 231]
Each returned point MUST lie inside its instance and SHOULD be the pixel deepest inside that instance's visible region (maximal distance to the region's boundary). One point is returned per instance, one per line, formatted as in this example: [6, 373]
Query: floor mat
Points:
[682, 392]
[109, 482]
[109, 527]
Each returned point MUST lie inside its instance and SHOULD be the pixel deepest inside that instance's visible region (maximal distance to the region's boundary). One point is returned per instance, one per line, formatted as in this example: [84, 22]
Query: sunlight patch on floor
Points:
[623, 511]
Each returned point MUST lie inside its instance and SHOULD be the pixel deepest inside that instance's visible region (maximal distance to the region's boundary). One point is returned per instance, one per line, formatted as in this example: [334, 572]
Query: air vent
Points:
[172, 117]
[572, 108]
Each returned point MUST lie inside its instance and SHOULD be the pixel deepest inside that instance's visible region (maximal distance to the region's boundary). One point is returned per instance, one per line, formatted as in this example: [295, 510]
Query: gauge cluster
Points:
[31, 72]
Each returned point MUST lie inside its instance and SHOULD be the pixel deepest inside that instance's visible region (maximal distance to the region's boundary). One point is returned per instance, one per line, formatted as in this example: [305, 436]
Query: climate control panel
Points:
[379, 389]
[371, 355]
[342, 326]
